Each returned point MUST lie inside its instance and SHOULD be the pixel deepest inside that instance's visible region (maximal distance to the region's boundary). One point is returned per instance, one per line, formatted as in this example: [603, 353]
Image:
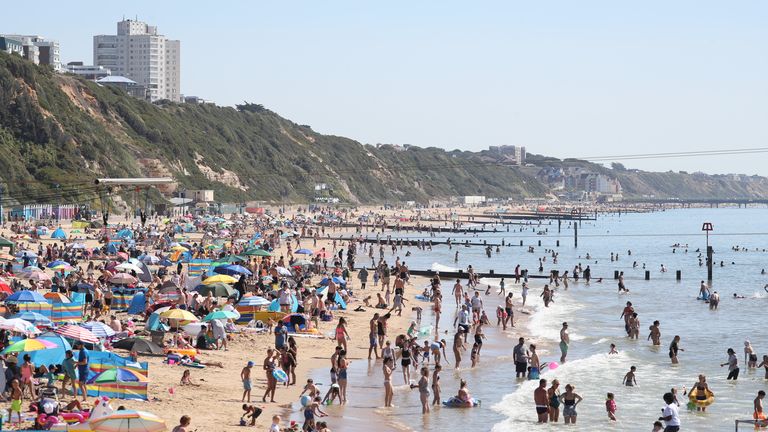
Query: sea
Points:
[740, 242]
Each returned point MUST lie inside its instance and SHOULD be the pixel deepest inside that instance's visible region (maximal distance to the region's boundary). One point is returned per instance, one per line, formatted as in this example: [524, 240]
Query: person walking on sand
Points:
[341, 333]
[541, 401]
[458, 292]
[674, 347]
[245, 377]
[269, 365]
[565, 340]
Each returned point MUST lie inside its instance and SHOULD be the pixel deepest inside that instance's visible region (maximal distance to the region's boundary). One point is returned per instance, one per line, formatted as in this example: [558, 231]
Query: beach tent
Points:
[111, 249]
[145, 277]
[59, 234]
[154, 324]
[137, 305]
[139, 345]
[124, 233]
[275, 305]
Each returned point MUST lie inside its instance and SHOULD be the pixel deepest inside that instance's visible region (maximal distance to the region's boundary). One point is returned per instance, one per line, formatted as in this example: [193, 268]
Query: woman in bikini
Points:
[570, 400]
[341, 333]
[423, 386]
[388, 368]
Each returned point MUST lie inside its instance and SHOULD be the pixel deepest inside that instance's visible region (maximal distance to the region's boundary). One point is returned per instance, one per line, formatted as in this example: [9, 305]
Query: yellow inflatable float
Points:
[693, 397]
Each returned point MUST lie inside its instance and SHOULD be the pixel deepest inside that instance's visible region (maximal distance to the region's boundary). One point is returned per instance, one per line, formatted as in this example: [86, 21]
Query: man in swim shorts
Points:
[564, 341]
[541, 401]
[520, 359]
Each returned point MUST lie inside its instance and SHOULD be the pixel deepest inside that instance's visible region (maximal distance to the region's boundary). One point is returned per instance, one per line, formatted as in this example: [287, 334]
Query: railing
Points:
[753, 424]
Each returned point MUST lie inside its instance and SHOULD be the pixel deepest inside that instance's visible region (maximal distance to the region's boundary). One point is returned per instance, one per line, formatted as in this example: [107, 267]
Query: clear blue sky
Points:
[563, 78]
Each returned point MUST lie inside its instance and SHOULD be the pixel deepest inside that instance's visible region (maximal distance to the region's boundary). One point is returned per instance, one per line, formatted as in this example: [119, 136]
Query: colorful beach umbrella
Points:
[221, 315]
[257, 252]
[77, 333]
[56, 263]
[216, 289]
[57, 297]
[179, 314]
[219, 278]
[128, 421]
[27, 345]
[303, 252]
[118, 375]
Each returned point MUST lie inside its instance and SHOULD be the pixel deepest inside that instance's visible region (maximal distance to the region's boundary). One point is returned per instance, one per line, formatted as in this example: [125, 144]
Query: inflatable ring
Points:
[701, 403]
[455, 402]
[280, 375]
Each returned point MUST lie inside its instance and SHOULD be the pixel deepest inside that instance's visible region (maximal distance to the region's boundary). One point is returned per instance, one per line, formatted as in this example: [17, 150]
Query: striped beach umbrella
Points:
[128, 421]
[99, 329]
[77, 333]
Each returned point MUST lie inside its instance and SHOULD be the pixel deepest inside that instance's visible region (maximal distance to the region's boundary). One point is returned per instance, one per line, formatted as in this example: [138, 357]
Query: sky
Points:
[562, 78]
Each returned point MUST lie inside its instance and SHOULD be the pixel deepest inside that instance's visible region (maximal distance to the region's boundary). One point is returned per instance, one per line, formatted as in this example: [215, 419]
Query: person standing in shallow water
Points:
[565, 340]
[655, 334]
[674, 347]
[541, 401]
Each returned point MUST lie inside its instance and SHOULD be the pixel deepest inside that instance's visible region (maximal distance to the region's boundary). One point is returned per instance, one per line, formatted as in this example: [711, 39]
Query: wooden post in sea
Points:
[575, 235]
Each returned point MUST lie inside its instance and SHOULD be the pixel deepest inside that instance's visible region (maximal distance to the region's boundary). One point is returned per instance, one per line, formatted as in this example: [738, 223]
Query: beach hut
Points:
[59, 234]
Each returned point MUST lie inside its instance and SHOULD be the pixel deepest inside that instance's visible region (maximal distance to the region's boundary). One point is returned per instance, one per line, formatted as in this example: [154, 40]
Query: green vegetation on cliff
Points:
[58, 133]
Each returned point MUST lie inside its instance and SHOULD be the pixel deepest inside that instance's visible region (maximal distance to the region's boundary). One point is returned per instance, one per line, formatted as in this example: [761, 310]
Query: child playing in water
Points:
[475, 354]
[629, 378]
[657, 426]
[613, 349]
[610, 407]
